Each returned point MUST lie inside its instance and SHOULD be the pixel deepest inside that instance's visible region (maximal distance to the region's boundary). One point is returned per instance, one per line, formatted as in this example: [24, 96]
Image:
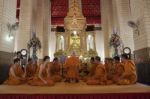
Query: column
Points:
[52, 38]
[107, 24]
[25, 24]
[40, 24]
[46, 27]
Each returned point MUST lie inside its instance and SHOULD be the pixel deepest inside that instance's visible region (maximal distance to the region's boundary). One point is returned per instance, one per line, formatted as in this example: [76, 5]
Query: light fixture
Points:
[11, 37]
[81, 57]
[11, 28]
[85, 59]
[75, 32]
[89, 37]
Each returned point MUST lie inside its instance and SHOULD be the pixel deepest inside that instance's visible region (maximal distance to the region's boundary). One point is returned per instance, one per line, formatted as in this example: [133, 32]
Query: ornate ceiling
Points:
[90, 9]
[59, 9]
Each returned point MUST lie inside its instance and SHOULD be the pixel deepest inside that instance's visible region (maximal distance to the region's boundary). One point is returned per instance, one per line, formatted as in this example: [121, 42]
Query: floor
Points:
[79, 88]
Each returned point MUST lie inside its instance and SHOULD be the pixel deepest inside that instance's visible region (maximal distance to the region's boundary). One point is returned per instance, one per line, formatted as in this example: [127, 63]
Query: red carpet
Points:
[77, 96]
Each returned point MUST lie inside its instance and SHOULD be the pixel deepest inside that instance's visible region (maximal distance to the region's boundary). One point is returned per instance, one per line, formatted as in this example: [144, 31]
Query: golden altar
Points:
[75, 38]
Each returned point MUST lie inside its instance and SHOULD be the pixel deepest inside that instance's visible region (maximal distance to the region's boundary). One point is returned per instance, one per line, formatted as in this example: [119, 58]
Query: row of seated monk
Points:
[48, 73]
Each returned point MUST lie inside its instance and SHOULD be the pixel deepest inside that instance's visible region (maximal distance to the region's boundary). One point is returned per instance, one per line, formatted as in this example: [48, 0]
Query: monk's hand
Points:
[22, 79]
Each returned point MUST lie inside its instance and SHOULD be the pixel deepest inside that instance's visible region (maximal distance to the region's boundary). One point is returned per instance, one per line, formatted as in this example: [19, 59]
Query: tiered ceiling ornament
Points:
[75, 39]
[75, 19]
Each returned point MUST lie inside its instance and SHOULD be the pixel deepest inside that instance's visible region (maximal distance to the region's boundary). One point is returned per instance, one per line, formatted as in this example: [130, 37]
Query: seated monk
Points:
[55, 70]
[84, 71]
[31, 69]
[42, 78]
[99, 77]
[109, 67]
[72, 69]
[92, 69]
[16, 74]
[118, 69]
[129, 76]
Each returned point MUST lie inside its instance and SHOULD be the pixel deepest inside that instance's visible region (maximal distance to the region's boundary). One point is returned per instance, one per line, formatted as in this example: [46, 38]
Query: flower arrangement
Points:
[35, 44]
[115, 42]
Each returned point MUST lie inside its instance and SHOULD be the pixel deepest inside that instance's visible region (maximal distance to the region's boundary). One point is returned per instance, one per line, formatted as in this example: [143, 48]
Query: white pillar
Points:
[25, 24]
[41, 21]
[107, 24]
[52, 38]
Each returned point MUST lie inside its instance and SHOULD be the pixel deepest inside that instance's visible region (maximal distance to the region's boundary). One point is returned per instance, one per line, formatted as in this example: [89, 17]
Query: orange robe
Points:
[13, 80]
[30, 70]
[92, 69]
[72, 67]
[118, 72]
[36, 81]
[99, 78]
[110, 70]
[129, 76]
[55, 72]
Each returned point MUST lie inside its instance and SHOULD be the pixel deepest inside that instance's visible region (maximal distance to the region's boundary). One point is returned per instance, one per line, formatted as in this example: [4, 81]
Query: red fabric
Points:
[59, 9]
[91, 10]
[17, 13]
[78, 96]
[18, 3]
[18, 9]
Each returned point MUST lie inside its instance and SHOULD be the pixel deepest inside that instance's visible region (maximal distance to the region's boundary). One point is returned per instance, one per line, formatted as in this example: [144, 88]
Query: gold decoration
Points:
[75, 35]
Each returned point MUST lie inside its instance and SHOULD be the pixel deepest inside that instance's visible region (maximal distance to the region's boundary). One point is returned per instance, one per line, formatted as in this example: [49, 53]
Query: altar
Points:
[75, 38]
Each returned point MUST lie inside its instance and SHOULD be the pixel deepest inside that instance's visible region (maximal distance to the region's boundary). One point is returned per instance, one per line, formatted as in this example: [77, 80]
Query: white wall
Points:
[7, 15]
[140, 11]
[52, 45]
[100, 44]
[124, 15]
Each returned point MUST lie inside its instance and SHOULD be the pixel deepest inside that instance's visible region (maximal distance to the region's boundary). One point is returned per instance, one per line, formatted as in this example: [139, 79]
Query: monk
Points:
[42, 78]
[109, 67]
[92, 67]
[99, 77]
[72, 69]
[55, 70]
[31, 69]
[118, 70]
[16, 74]
[129, 76]
[84, 71]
